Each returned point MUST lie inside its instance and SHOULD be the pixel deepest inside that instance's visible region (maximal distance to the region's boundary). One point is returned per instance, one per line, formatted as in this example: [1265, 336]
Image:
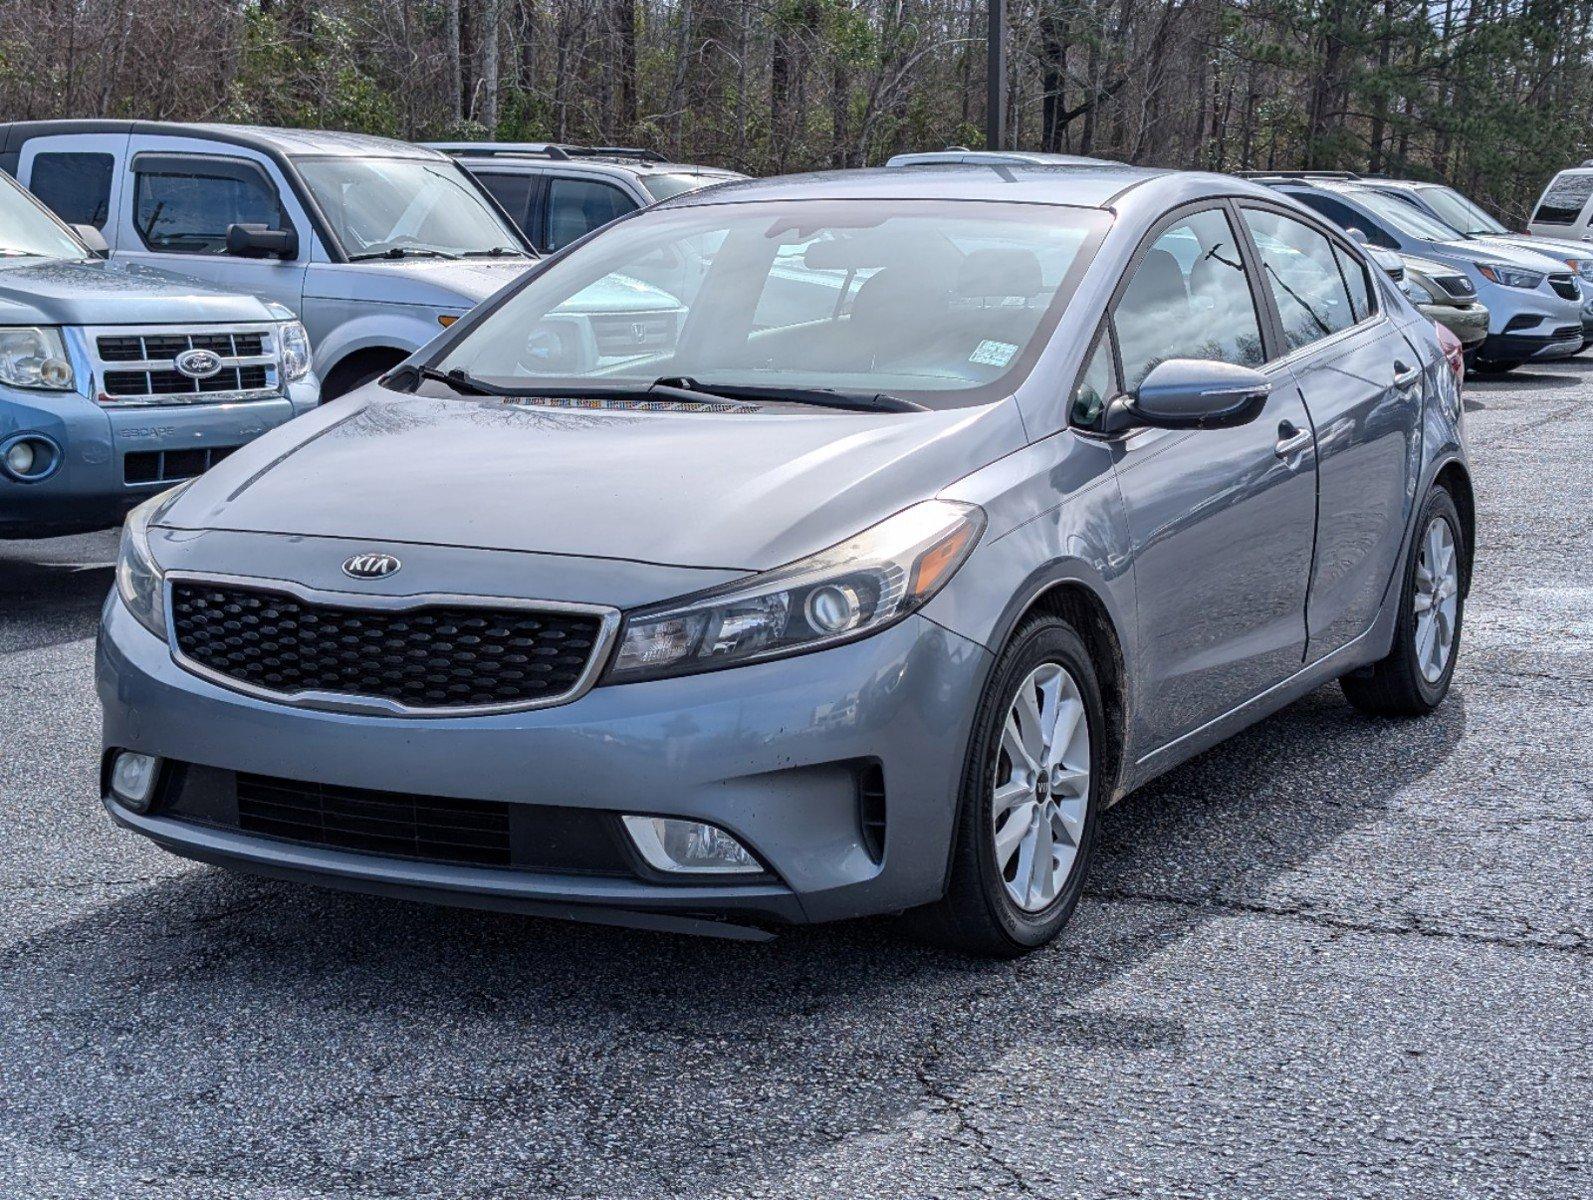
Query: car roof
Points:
[259, 137]
[986, 157]
[1079, 186]
[639, 162]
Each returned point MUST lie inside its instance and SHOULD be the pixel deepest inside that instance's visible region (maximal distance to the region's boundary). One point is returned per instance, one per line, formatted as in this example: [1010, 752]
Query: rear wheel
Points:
[1030, 796]
[1414, 678]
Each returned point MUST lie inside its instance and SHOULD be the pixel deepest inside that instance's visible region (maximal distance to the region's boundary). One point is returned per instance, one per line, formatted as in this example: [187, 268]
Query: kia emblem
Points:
[371, 566]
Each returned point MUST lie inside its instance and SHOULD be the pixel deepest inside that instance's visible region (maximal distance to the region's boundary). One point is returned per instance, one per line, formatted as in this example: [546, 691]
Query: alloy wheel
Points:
[1437, 599]
[1042, 787]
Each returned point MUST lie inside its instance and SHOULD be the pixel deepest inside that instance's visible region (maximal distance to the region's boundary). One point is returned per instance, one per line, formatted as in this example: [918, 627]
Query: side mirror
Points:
[1191, 393]
[94, 240]
[1357, 234]
[258, 241]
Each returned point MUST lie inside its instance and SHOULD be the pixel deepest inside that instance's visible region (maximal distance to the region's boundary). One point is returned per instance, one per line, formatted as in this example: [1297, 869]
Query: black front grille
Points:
[1456, 285]
[149, 347]
[1565, 286]
[174, 383]
[436, 657]
[162, 466]
[483, 833]
[1565, 332]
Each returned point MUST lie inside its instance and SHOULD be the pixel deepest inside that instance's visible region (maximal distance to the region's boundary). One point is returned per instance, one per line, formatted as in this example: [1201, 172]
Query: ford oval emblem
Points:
[371, 566]
[198, 364]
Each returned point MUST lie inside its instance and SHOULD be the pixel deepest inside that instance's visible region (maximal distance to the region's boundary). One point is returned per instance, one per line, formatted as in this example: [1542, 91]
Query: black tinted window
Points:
[189, 213]
[1565, 198]
[76, 186]
[1303, 273]
[1189, 297]
[578, 206]
[514, 193]
[1346, 218]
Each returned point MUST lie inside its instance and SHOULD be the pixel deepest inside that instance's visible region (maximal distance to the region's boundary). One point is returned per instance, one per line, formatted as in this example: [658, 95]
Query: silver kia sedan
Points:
[948, 507]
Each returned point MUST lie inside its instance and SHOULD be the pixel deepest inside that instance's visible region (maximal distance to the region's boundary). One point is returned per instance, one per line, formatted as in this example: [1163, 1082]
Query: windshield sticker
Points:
[993, 354]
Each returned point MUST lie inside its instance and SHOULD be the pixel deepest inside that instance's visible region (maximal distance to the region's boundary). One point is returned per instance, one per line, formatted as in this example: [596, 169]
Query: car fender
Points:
[386, 327]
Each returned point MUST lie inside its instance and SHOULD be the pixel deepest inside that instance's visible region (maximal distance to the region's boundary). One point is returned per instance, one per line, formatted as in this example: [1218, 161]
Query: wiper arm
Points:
[462, 382]
[402, 252]
[496, 252]
[876, 402]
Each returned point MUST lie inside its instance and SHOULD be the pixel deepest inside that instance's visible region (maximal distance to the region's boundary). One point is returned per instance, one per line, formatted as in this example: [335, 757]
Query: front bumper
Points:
[113, 458]
[1468, 322]
[1522, 347]
[766, 752]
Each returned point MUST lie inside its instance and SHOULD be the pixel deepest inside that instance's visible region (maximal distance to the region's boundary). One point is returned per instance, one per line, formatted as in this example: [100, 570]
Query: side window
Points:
[1346, 218]
[185, 208]
[1202, 310]
[1303, 274]
[513, 192]
[578, 206]
[77, 187]
[1356, 280]
[1565, 198]
[1095, 385]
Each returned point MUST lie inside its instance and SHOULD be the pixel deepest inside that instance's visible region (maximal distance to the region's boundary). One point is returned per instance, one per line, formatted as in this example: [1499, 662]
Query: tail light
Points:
[1454, 352]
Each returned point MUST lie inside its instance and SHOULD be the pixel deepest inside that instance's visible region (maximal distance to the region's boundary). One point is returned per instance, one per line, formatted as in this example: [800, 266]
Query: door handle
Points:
[1290, 439]
[1405, 376]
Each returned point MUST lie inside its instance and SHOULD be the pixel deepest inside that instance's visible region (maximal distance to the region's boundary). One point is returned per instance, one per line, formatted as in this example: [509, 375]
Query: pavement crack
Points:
[1571, 942]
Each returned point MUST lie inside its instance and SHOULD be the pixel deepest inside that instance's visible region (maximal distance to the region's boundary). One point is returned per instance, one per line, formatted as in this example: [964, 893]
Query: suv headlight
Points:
[853, 589]
[1418, 291]
[1515, 277]
[139, 579]
[35, 357]
[294, 342]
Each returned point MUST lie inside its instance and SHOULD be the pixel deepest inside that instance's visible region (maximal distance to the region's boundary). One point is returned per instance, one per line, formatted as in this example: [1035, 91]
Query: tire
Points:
[979, 914]
[1399, 686]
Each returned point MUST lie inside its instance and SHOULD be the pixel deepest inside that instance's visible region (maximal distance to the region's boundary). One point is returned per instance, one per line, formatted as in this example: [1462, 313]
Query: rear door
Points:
[1222, 520]
[79, 176]
[1361, 383]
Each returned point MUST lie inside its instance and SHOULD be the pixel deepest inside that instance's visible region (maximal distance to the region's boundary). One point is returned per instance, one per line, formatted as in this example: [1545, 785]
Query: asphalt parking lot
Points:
[1337, 956]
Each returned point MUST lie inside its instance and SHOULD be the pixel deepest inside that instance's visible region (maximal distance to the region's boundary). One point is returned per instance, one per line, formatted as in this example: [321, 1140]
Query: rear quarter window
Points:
[1565, 198]
[76, 186]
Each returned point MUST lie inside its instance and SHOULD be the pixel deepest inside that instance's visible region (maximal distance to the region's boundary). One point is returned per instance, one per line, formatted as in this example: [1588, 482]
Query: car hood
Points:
[742, 491]
[434, 282]
[48, 291]
[1478, 250]
[1554, 248]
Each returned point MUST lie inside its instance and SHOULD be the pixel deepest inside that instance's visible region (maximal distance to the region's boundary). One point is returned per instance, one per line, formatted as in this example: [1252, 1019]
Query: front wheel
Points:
[1414, 678]
[1031, 793]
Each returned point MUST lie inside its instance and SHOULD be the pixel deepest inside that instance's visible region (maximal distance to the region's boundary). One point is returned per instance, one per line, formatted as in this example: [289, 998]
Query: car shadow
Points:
[213, 1026]
[51, 591]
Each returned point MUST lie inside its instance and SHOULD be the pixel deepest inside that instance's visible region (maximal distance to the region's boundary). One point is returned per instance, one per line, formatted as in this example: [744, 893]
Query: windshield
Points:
[938, 302]
[1410, 221]
[1454, 209]
[26, 229]
[662, 187]
[393, 207]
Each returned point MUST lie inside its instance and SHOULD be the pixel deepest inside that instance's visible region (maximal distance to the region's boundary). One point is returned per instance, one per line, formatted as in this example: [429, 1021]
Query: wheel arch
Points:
[341, 376]
[1456, 480]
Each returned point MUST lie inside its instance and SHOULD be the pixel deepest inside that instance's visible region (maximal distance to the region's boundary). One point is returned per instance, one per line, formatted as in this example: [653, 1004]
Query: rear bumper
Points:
[766, 752]
[112, 458]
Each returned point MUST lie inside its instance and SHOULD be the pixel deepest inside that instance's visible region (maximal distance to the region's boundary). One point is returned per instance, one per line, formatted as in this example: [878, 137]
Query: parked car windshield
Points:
[940, 302]
[25, 229]
[1406, 218]
[396, 207]
[1456, 210]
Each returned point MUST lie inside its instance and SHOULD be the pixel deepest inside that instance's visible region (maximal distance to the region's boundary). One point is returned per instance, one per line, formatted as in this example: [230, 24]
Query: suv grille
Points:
[427, 658]
[1455, 285]
[618, 336]
[168, 466]
[1565, 285]
[139, 367]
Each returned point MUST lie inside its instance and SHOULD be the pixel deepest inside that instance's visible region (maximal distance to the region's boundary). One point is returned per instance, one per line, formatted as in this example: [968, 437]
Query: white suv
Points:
[558, 194]
[376, 245]
[1562, 210]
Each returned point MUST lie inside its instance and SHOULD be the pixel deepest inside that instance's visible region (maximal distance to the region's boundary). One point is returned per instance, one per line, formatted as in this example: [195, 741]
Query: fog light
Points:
[28, 458]
[20, 458]
[689, 847]
[133, 779]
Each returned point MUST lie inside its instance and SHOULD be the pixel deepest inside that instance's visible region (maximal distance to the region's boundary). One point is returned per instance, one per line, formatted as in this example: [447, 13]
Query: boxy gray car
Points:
[960, 503]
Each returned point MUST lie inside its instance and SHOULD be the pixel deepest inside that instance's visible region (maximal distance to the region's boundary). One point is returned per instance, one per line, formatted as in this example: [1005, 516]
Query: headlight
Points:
[1582, 266]
[139, 578]
[1514, 277]
[294, 341]
[35, 357]
[850, 590]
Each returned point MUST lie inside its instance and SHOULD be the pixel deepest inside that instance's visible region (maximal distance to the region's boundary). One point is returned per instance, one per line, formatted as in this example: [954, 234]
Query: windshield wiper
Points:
[496, 252]
[402, 252]
[870, 402]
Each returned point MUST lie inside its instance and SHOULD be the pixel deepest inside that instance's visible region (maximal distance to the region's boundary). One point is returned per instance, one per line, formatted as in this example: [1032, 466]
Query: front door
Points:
[1221, 520]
